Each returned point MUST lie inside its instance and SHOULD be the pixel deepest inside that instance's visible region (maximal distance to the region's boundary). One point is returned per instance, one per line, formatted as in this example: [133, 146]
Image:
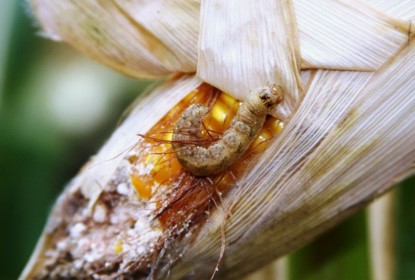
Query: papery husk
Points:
[404, 9]
[260, 48]
[143, 39]
[347, 35]
[155, 38]
[351, 139]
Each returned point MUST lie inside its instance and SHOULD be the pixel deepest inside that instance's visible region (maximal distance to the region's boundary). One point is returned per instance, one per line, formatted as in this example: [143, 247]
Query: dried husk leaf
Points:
[141, 38]
[174, 23]
[155, 38]
[404, 9]
[351, 139]
[260, 48]
[347, 35]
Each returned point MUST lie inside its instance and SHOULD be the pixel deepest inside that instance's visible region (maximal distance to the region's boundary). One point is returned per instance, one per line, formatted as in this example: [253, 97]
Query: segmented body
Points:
[221, 154]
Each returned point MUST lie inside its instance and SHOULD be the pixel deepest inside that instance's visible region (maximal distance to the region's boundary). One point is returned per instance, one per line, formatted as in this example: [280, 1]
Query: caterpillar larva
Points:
[220, 155]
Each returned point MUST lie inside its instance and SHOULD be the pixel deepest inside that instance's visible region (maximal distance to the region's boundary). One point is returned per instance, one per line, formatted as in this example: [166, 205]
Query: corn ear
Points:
[350, 141]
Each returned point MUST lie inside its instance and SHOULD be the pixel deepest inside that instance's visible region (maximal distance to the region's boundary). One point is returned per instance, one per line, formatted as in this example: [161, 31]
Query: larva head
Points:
[271, 95]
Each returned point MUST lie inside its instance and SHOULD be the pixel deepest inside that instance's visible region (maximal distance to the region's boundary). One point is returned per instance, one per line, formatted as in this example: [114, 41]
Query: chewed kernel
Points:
[133, 159]
[141, 186]
[118, 246]
[166, 171]
[168, 136]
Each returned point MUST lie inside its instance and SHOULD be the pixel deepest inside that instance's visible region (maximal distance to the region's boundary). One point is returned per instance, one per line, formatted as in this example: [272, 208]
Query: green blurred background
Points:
[58, 107]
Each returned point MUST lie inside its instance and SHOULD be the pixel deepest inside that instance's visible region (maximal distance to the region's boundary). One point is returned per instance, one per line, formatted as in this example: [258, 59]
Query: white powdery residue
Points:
[77, 230]
[97, 248]
[140, 250]
[61, 245]
[100, 213]
[129, 253]
[90, 257]
[140, 239]
[131, 234]
[151, 236]
[80, 246]
[147, 239]
[83, 243]
[119, 215]
[86, 212]
[144, 169]
[78, 264]
[123, 189]
[123, 171]
[141, 225]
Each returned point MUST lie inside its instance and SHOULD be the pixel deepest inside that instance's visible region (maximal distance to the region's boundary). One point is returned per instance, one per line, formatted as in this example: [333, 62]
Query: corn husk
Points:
[349, 138]
[347, 35]
[398, 9]
[257, 61]
[153, 38]
[128, 36]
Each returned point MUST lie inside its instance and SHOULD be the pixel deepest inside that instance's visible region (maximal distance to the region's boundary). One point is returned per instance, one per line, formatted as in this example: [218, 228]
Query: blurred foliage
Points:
[341, 254]
[40, 153]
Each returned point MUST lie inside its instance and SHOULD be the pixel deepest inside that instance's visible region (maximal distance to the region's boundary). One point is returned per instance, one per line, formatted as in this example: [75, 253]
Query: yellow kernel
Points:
[165, 171]
[118, 246]
[141, 186]
[259, 144]
[228, 100]
[274, 125]
[219, 112]
[168, 136]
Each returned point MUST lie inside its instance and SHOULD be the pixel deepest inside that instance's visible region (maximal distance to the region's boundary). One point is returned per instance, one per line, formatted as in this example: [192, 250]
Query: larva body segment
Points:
[221, 154]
